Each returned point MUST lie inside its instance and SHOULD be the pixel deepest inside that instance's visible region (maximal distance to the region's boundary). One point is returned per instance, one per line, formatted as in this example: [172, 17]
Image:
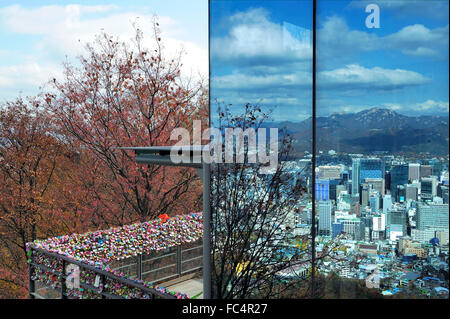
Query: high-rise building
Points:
[336, 229]
[306, 216]
[437, 166]
[428, 187]
[329, 172]
[355, 206]
[339, 189]
[377, 184]
[365, 191]
[396, 222]
[353, 227]
[334, 183]
[399, 176]
[445, 196]
[387, 203]
[414, 171]
[374, 201]
[379, 223]
[345, 175]
[355, 175]
[432, 216]
[442, 191]
[387, 180]
[411, 192]
[325, 219]
[322, 189]
[400, 193]
[371, 168]
[426, 170]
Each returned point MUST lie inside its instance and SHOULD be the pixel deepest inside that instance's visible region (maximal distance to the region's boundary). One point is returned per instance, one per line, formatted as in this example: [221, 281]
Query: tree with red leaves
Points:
[122, 96]
[40, 188]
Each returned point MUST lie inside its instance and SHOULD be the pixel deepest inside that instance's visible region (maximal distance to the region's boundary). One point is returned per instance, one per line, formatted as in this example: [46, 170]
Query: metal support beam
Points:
[139, 266]
[188, 156]
[32, 284]
[63, 280]
[179, 260]
[206, 232]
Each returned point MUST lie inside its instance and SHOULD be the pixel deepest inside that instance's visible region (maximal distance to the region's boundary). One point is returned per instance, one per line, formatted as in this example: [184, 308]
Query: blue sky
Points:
[37, 36]
[403, 65]
[260, 50]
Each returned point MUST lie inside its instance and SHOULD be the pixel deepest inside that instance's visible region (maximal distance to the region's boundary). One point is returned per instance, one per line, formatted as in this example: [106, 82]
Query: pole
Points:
[206, 232]
[32, 285]
[313, 191]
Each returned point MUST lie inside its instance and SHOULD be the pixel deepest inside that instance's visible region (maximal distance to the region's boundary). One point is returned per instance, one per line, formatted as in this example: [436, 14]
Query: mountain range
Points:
[374, 129]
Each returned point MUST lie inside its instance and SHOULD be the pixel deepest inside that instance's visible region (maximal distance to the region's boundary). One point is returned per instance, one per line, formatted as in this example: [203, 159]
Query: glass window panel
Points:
[382, 147]
[261, 56]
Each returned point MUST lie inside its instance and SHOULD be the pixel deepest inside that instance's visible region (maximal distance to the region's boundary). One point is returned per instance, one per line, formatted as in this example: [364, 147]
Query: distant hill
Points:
[370, 130]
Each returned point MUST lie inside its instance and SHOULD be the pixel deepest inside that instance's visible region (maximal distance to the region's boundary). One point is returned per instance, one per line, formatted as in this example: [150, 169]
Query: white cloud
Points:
[354, 76]
[336, 33]
[336, 41]
[272, 82]
[418, 40]
[28, 74]
[435, 9]
[271, 64]
[254, 39]
[64, 30]
[431, 105]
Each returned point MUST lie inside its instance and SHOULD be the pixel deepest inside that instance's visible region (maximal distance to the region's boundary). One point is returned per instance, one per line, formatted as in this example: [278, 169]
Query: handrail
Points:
[105, 273]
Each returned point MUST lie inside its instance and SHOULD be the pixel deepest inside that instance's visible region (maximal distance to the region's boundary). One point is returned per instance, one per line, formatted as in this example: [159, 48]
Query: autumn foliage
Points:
[40, 187]
[60, 167]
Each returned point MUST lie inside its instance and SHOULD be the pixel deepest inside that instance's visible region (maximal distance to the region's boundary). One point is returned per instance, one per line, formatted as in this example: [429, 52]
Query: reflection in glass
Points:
[382, 106]
[260, 64]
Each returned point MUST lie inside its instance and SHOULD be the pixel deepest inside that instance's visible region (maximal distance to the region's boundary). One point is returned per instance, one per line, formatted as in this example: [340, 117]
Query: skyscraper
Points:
[399, 176]
[411, 192]
[396, 221]
[432, 216]
[334, 183]
[371, 168]
[377, 184]
[374, 201]
[355, 176]
[387, 203]
[414, 171]
[426, 171]
[329, 172]
[322, 189]
[400, 194]
[428, 187]
[365, 191]
[336, 229]
[325, 220]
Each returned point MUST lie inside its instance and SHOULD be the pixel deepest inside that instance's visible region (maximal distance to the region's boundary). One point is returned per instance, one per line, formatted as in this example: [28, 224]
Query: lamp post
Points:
[188, 156]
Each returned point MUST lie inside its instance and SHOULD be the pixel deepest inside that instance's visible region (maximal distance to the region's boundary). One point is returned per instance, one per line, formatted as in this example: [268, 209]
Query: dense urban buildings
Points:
[381, 212]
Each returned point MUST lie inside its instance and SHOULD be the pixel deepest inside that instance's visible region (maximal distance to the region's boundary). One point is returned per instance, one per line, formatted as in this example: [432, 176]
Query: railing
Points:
[98, 283]
[163, 266]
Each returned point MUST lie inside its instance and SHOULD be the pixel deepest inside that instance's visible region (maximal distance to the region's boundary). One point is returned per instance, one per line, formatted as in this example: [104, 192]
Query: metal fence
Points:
[164, 265]
[47, 274]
